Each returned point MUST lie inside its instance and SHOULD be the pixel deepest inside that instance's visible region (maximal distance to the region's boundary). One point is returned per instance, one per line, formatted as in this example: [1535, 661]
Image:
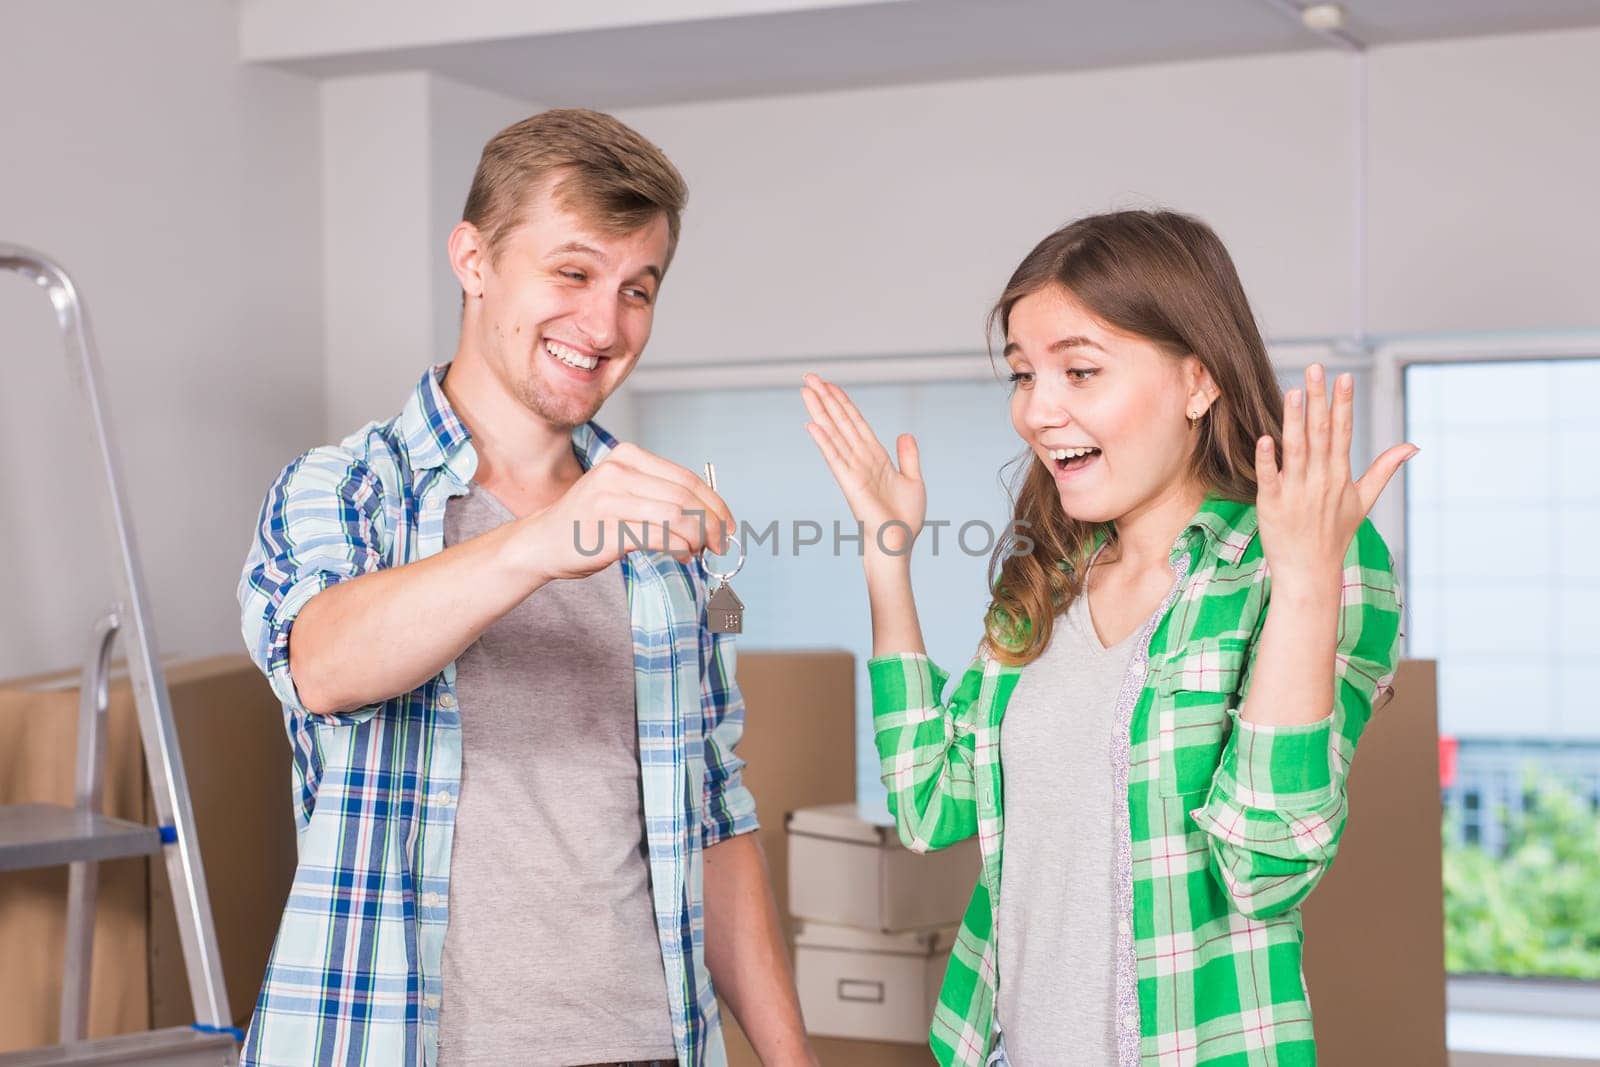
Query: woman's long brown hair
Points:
[1166, 278]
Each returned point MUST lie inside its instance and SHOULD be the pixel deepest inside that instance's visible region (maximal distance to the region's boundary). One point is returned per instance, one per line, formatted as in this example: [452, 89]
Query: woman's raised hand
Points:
[891, 504]
[1309, 509]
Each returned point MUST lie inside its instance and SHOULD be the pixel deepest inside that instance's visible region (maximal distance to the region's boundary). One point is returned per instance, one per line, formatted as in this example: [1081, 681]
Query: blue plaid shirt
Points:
[354, 973]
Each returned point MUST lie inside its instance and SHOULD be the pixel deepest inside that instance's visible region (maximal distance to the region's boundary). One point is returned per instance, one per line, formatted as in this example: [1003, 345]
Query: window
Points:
[799, 595]
[1502, 582]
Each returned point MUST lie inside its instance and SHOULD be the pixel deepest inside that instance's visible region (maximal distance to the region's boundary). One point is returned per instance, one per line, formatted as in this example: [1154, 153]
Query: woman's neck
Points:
[1146, 534]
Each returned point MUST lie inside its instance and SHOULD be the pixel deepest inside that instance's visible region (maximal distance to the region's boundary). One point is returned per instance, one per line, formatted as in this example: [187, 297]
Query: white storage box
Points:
[850, 872]
[872, 986]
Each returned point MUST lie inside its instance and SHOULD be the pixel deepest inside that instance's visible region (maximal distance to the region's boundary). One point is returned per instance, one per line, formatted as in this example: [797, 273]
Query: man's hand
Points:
[661, 505]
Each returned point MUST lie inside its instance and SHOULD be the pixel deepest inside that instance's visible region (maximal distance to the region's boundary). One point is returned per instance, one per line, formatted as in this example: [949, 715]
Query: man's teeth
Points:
[1070, 453]
[571, 357]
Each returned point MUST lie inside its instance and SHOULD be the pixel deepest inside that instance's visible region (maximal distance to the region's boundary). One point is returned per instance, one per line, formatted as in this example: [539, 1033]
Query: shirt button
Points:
[431, 1000]
[1130, 1022]
[448, 700]
[431, 900]
[443, 798]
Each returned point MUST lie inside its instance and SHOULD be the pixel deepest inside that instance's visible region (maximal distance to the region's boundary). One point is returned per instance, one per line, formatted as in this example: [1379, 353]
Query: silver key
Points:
[724, 609]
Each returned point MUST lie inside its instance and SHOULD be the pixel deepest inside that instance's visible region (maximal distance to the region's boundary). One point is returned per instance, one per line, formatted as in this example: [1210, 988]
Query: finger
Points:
[854, 456]
[816, 407]
[1318, 442]
[830, 452]
[1293, 467]
[1343, 406]
[680, 504]
[1268, 479]
[678, 535]
[1371, 484]
[652, 465]
[857, 421]
[905, 447]
[847, 435]
[657, 501]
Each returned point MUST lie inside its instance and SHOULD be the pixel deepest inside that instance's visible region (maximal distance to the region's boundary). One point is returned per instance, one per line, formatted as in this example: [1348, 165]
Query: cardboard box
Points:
[849, 872]
[861, 984]
[1374, 927]
[236, 759]
[799, 750]
[38, 735]
[799, 743]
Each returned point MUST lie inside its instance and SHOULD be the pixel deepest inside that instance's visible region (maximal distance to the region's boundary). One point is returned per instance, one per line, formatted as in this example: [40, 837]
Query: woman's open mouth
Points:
[1072, 460]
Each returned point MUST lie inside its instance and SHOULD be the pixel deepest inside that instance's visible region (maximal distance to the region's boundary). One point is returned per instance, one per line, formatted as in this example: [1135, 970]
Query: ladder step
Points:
[49, 835]
[177, 1047]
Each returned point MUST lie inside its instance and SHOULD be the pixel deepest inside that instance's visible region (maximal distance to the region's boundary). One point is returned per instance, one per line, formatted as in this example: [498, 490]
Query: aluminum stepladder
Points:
[46, 835]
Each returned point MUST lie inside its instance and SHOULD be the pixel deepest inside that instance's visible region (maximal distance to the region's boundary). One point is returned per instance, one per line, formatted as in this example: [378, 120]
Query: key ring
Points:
[724, 578]
[711, 482]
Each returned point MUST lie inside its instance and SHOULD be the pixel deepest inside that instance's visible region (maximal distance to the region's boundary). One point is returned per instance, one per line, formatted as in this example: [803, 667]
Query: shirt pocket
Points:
[1198, 689]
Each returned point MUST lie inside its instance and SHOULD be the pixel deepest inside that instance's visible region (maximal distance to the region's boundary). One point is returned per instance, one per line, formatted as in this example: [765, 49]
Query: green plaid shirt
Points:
[1223, 826]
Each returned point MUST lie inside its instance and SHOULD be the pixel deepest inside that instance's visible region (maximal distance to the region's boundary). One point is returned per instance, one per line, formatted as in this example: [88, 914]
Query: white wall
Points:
[181, 191]
[887, 220]
[1485, 207]
[375, 157]
[398, 154]
[461, 119]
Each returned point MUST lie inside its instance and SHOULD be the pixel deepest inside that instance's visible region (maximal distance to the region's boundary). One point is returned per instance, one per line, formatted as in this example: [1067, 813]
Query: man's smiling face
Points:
[566, 309]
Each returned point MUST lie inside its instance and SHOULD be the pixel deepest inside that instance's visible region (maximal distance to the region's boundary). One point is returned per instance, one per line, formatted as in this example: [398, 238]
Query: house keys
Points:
[724, 609]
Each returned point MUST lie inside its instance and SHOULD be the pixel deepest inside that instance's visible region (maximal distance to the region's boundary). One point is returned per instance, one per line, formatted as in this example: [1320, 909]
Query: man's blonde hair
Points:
[603, 171]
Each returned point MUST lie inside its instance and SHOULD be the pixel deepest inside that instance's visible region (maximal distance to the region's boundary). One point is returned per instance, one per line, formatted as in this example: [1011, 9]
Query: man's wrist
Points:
[527, 552]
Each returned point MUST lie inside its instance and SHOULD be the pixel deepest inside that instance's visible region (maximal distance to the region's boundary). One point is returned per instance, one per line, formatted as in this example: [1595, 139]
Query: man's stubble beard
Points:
[567, 416]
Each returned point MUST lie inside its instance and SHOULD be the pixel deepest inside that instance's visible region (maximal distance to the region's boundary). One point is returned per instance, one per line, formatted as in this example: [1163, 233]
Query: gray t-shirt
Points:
[551, 955]
[1057, 922]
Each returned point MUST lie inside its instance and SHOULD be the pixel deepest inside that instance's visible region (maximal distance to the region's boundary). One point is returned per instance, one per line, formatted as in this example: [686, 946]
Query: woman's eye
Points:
[575, 275]
[1081, 374]
[1020, 377]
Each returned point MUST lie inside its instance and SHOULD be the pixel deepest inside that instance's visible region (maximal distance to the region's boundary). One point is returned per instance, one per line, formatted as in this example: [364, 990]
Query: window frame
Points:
[1501, 994]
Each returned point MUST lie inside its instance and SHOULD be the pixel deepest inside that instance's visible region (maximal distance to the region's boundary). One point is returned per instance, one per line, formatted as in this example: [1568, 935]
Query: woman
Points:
[1161, 755]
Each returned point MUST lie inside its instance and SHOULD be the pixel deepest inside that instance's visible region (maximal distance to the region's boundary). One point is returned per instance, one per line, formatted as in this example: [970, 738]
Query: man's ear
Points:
[469, 258]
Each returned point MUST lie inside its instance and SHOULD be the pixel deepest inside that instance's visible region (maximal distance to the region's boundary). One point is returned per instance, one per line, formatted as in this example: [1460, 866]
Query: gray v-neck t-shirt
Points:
[551, 953]
[1057, 921]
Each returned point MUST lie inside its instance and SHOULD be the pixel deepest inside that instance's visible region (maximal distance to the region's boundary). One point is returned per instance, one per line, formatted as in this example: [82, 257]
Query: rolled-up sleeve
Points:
[729, 808]
[321, 524]
[926, 747]
[1277, 806]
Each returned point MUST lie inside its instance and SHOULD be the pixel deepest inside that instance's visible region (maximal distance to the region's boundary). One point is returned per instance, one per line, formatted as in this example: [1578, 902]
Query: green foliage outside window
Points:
[1535, 910]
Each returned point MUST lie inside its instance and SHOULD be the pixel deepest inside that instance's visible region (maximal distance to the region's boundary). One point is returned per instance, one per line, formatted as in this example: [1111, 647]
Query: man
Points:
[515, 776]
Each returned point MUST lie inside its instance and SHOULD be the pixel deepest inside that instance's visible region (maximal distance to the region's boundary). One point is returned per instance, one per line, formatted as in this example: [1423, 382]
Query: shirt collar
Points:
[436, 438]
[1225, 527]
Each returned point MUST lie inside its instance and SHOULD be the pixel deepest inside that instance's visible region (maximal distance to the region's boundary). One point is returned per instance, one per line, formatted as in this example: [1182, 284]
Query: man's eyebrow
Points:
[1059, 346]
[577, 246]
[580, 248]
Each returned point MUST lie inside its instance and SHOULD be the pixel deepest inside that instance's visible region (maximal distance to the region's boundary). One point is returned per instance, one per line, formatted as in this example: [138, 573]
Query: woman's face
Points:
[1116, 404]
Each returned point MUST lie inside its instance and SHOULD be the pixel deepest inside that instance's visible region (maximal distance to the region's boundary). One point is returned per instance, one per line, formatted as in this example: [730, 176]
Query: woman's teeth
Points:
[571, 356]
[1059, 454]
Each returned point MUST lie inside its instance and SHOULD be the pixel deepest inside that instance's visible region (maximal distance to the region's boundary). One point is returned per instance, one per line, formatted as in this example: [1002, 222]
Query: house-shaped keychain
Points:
[725, 611]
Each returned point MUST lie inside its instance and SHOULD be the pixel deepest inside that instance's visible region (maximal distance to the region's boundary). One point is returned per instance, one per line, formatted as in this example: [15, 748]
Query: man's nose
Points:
[597, 319]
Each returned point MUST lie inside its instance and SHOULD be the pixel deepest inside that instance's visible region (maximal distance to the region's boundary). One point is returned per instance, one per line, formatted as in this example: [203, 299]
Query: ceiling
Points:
[864, 43]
